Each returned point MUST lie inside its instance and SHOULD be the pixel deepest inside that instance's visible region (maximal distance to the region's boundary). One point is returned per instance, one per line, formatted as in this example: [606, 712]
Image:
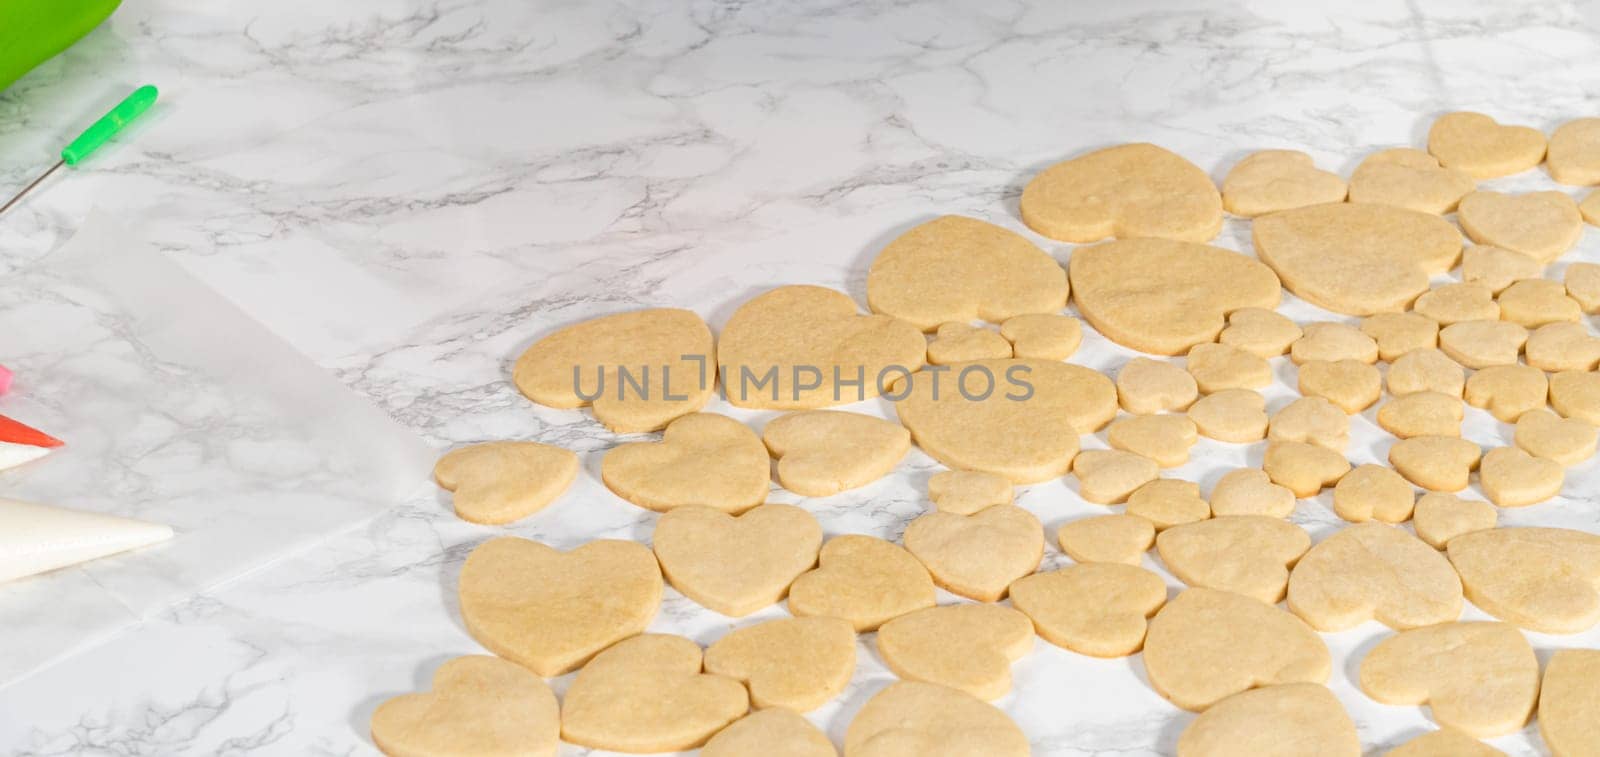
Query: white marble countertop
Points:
[411, 192]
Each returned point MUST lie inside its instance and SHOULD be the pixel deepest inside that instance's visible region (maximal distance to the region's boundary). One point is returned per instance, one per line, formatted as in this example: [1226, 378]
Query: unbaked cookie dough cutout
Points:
[1303, 468]
[1541, 225]
[1126, 191]
[1373, 492]
[1510, 477]
[1219, 367]
[1165, 439]
[736, 565]
[702, 459]
[824, 452]
[1541, 579]
[1163, 297]
[1479, 678]
[955, 268]
[1532, 303]
[1422, 414]
[1440, 517]
[969, 647]
[1569, 703]
[550, 611]
[1168, 502]
[1117, 538]
[773, 732]
[1483, 147]
[864, 580]
[1245, 554]
[1290, 720]
[479, 705]
[1231, 415]
[1044, 336]
[1096, 609]
[1248, 491]
[796, 664]
[1496, 267]
[1272, 180]
[1311, 420]
[799, 347]
[977, 556]
[1410, 179]
[502, 482]
[1207, 645]
[1017, 418]
[1373, 571]
[1146, 386]
[1356, 258]
[959, 342]
[915, 719]
[616, 703]
[1259, 331]
[1108, 476]
[965, 492]
[1435, 463]
[668, 355]
[1399, 333]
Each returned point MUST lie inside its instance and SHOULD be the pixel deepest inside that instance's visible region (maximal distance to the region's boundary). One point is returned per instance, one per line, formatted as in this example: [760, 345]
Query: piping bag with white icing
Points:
[39, 538]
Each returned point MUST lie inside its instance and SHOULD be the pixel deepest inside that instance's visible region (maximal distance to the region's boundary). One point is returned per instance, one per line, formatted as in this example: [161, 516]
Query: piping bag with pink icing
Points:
[20, 443]
[39, 538]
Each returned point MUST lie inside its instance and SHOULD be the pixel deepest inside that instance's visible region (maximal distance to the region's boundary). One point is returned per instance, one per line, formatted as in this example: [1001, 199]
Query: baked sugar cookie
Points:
[965, 492]
[1127, 191]
[1426, 371]
[550, 611]
[1541, 579]
[1399, 333]
[736, 565]
[1590, 208]
[1207, 645]
[1373, 571]
[969, 647]
[864, 580]
[1562, 347]
[478, 705]
[1246, 554]
[1106, 538]
[1480, 344]
[1575, 152]
[1097, 609]
[1482, 147]
[702, 459]
[955, 268]
[1312, 420]
[1327, 341]
[1147, 386]
[1532, 303]
[616, 703]
[1479, 678]
[959, 342]
[1198, 285]
[1421, 414]
[1356, 258]
[1410, 179]
[1231, 415]
[1259, 331]
[1496, 267]
[1165, 439]
[978, 555]
[1168, 502]
[668, 355]
[824, 452]
[799, 347]
[774, 732]
[1454, 303]
[1568, 441]
[1445, 742]
[1247, 491]
[1292, 720]
[1219, 367]
[1351, 385]
[1373, 492]
[1108, 476]
[1507, 391]
[1272, 180]
[1569, 704]
[502, 482]
[1303, 468]
[1511, 477]
[1583, 284]
[1024, 426]
[1576, 394]
[792, 663]
[1044, 336]
[1440, 517]
[1541, 225]
[1435, 463]
[915, 719]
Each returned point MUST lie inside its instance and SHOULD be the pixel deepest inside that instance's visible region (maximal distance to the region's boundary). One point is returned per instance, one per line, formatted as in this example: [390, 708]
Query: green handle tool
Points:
[97, 134]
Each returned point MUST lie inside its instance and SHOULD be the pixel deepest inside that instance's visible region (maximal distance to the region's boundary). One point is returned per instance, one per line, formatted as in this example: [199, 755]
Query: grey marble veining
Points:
[412, 192]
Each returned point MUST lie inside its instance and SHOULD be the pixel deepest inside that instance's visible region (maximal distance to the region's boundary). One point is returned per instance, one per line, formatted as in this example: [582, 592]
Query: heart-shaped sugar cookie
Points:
[1480, 678]
[617, 701]
[1373, 492]
[1231, 415]
[1356, 258]
[1097, 609]
[799, 347]
[1045, 336]
[1168, 502]
[1481, 344]
[736, 565]
[478, 705]
[1483, 148]
[1259, 331]
[1440, 517]
[1106, 538]
[1569, 703]
[1426, 370]
[1248, 491]
[1435, 463]
[1445, 742]
[500, 482]
[1349, 384]
[794, 663]
[965, 492]
[1272, 180]
[1108, 476]
[1311, 420]
[1532, 303]
[1583, 279]
[824, 452]
[1161, 296]
[1562, 346]
[1165, 439]
[1410, 179]
[915, 719]
[1507, 391]
[1245, 554]
[1575, 152]
[1576, 394]
[1568, 441]
[550, 611]
[1542, 579]
[1126, 191]
[1291, 719]
[639, 370]
[1399, 333]
[1511, 477]
[1220, 367]
[1331, 342]
[1303, 468]
[1496, 267]
[1018, 418]
[977, 555]
[1207, 645]
[702, 459]
[864, 580]
[959, 342]
[1541, 225]
[1147, 386]
[1373, 571]
[774, 732]
[969, 647]
[1421, 414]
[955, 268]
[1454, 303]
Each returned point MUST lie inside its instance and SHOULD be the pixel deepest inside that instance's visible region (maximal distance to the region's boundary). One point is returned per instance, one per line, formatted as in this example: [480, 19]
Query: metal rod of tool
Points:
[36, 182]
[97, 134]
